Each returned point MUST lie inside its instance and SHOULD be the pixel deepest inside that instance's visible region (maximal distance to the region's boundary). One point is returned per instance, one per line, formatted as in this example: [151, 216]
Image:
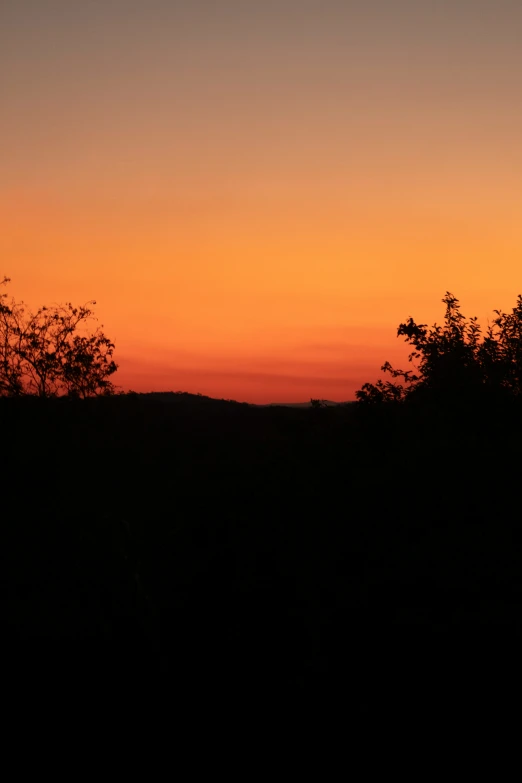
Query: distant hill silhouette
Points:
[326, 403]
[180, 397]
[185, 397]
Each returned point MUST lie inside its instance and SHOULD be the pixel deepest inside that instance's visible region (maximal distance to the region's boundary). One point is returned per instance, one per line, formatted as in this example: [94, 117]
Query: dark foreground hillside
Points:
[201, 551]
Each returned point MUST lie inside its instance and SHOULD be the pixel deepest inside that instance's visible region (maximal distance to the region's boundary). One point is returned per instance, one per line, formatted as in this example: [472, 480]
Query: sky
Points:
[258, 193]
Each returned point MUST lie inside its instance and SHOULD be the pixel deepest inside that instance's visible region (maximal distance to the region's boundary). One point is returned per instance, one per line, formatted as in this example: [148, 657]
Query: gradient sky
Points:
[257, 193]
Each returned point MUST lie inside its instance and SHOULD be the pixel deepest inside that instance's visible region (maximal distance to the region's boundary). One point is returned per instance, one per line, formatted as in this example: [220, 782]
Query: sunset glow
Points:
[257, 193]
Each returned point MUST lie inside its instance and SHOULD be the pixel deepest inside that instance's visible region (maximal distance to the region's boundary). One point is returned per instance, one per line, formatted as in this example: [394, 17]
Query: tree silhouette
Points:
[316, 404]
[453, 361]
[50, 353]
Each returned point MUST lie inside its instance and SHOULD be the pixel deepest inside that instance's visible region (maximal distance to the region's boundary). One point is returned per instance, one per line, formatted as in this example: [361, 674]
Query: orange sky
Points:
[256, 194]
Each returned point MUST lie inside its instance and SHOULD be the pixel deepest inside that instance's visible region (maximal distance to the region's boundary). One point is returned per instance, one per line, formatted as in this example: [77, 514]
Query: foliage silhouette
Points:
[198, 550]
[49, 353]
[451, 362]
[318, 403]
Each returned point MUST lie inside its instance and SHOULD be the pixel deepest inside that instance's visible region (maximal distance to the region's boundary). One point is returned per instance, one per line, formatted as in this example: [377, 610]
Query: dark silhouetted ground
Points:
[186, 550]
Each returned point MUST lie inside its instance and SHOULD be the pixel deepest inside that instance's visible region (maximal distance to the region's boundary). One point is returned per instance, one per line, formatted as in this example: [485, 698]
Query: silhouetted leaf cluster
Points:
[454, 361]
[47, 353]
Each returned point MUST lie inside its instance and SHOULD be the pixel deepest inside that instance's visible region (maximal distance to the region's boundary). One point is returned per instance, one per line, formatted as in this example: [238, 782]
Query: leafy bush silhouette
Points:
[45, 354]
[318, 404]
[454, 361]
